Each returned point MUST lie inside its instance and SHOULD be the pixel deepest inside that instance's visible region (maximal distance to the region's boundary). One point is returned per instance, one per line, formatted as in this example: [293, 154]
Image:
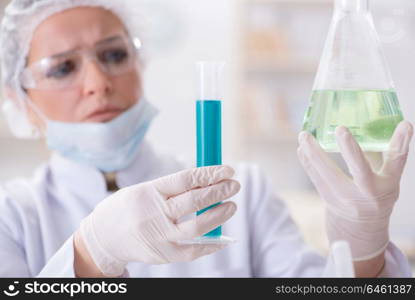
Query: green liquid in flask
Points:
[370, 115]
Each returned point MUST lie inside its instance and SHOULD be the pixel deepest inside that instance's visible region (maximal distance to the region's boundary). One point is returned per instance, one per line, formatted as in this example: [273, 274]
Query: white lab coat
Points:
[39, 216]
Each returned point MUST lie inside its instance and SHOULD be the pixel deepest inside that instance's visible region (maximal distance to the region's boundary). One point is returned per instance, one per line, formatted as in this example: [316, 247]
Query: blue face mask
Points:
[109, 146]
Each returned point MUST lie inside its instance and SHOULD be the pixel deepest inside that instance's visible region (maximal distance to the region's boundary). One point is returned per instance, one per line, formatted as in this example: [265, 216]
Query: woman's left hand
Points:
[358, 207]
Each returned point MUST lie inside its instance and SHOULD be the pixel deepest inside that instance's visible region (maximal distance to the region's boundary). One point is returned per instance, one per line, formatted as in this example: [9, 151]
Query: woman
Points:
[104, 205]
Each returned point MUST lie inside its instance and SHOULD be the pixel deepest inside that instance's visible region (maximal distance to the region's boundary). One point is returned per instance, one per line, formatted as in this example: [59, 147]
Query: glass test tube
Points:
[209, 135]
[208, 121]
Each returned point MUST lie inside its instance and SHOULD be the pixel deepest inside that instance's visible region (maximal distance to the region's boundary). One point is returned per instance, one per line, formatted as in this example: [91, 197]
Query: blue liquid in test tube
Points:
[209, 141]
[208, 123]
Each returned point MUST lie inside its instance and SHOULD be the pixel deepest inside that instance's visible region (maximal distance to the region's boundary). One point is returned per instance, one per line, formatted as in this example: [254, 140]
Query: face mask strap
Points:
[36, 110]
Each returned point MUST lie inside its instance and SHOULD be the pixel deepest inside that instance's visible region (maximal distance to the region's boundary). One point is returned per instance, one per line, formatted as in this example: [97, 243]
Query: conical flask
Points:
[353, 86]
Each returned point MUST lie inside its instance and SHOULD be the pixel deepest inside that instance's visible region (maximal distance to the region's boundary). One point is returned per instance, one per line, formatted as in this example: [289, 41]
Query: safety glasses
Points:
[115, 56]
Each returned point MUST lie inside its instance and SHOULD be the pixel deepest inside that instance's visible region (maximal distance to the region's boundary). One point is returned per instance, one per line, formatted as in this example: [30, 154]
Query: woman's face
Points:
[98, 97]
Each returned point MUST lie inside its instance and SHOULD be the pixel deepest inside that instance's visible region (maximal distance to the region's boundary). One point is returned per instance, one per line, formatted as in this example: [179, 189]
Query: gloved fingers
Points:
[321, 162]
[308, 168]
[197, 199]
[186, 180]
[205, 222]
[395, 158]
[322, 187]
[353, 155]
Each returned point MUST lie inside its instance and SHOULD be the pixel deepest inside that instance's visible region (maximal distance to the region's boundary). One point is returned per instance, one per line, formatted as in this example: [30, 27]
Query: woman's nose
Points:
[96, 80]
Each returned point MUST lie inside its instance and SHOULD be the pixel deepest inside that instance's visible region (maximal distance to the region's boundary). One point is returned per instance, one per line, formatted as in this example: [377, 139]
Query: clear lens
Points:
[56, 73]
[115, 57]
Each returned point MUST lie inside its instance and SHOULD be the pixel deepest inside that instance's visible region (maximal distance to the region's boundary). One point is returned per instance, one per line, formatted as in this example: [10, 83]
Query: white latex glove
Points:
[139, 223]
[358, 208]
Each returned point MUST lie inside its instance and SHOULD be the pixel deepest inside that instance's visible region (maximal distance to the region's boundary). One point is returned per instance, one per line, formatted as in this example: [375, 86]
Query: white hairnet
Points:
[20, 20]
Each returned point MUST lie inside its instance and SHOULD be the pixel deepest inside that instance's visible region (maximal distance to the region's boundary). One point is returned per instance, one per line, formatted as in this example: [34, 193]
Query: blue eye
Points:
[62, 70]
[115, 56]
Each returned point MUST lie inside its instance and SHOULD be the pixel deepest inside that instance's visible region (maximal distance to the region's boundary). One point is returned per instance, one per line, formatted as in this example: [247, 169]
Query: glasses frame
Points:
[27, 77]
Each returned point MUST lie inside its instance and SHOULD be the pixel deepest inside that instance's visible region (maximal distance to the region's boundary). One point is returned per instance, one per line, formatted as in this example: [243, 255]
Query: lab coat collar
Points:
[89, 183]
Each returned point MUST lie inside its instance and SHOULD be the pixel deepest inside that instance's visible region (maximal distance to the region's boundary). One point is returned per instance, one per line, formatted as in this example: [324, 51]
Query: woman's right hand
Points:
[140, 223]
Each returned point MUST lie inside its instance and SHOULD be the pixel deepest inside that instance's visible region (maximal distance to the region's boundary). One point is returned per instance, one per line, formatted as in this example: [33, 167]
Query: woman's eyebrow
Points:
[104, 41]
[62, 54]
[109, 39]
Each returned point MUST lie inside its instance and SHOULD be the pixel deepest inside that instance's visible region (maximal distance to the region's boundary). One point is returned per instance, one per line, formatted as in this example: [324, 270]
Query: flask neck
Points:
[353, 6]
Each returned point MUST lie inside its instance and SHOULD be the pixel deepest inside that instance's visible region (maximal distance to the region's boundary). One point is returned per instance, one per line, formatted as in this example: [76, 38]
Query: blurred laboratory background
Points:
[272, 50]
